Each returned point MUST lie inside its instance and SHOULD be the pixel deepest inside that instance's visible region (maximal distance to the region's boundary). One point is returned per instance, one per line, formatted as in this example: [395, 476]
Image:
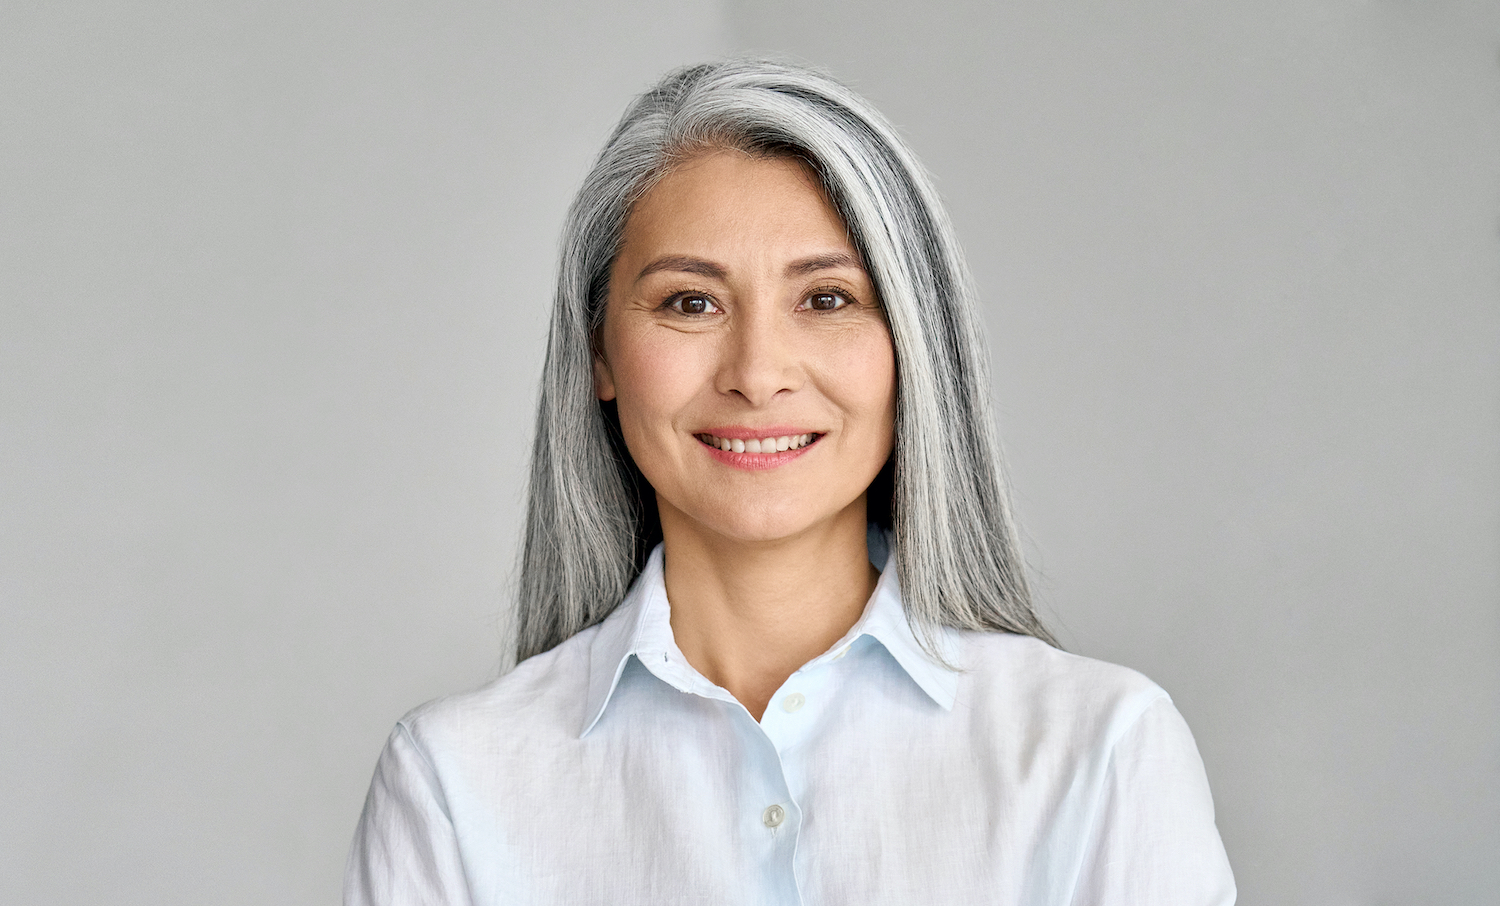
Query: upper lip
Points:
[740, 432]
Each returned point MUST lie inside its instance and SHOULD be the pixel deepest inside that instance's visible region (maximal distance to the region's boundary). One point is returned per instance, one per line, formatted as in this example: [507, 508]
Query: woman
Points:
[775, 640]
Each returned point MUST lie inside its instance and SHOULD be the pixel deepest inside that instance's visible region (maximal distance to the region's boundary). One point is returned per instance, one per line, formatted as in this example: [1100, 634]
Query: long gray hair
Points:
[591, 517]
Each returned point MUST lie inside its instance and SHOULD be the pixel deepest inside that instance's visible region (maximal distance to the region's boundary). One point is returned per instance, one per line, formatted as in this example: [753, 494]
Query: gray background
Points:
[274, 279]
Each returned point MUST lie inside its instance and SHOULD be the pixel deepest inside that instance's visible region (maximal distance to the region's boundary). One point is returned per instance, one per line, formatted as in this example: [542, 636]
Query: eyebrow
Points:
[686, 264]
[683, 264]
[827, 262]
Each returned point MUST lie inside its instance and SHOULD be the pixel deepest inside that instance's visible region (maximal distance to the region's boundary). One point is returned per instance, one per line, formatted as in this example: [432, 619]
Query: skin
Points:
[737, 299]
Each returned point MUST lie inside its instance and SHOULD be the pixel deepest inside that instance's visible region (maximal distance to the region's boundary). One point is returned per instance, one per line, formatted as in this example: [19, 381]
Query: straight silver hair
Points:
[591, 518]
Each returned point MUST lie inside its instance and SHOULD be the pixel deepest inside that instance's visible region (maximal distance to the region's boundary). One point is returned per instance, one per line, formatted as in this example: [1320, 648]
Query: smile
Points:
[762, 445]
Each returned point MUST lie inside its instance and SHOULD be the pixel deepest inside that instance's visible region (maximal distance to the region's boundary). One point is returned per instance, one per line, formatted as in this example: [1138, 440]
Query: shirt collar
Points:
[885, 620]
[641, 626]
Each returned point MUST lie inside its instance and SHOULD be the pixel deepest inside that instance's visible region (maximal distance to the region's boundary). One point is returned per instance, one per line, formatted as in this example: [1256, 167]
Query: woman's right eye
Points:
[692, 304]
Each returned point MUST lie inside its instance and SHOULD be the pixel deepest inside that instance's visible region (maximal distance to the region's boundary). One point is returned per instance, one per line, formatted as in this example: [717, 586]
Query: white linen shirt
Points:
[608, 770]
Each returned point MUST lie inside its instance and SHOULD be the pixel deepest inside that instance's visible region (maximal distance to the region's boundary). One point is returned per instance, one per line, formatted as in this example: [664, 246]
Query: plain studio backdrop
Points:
[275, 279]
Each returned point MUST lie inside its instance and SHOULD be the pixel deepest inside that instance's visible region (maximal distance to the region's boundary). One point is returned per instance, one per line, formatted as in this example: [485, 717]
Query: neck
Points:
[746, 615]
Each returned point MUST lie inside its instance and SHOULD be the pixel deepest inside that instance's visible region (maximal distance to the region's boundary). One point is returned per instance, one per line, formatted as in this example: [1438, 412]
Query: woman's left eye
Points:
[825, 301]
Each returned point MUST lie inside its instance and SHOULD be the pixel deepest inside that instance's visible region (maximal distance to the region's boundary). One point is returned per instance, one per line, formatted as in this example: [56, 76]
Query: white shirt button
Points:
[793, 702]
[773, 816]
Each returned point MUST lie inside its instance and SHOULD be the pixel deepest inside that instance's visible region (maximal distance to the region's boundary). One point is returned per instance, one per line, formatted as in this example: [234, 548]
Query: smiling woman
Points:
[756, 388]
[775, 640]
[738, 312]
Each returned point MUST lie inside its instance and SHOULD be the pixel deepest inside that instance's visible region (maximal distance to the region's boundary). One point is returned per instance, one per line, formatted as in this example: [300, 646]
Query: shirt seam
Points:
[437, 782]
[442, 796]
[1109, 766]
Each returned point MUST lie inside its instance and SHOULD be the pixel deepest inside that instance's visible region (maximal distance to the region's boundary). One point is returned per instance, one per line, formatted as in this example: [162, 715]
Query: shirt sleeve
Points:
[1153, 839]
[405, 850]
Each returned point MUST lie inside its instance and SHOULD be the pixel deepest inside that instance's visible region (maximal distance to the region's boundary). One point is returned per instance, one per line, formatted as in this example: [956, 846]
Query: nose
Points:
[758, 358]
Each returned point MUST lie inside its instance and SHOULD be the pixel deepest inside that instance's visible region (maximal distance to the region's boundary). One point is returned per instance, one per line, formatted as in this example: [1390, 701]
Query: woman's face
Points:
[739, 316]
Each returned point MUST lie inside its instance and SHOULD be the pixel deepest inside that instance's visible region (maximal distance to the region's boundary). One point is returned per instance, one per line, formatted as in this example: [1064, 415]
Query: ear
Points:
[604, 380]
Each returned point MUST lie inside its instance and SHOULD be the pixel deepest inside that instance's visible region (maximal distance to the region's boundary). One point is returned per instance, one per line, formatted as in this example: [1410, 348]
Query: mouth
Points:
[759, 445]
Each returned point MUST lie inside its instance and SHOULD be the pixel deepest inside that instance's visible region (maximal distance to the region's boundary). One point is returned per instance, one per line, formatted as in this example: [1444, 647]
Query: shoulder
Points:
[540, 700]
[1025, 681]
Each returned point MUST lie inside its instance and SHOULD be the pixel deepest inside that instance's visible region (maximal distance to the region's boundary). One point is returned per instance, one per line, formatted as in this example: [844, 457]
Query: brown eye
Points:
[691, 304]
[826, 301]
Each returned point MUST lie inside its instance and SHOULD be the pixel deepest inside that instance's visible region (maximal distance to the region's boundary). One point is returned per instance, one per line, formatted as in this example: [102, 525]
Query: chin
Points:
[759, 532]
[768, 522]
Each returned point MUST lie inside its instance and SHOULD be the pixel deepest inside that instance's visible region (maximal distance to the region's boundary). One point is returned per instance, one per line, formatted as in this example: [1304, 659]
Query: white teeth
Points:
[758, 445]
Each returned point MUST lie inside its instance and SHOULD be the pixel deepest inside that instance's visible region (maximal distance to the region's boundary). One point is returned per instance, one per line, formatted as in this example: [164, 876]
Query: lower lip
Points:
[756, 462]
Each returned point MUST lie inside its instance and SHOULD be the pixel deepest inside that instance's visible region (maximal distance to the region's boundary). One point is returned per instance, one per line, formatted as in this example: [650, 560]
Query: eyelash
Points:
[675, 300]
[828, 291]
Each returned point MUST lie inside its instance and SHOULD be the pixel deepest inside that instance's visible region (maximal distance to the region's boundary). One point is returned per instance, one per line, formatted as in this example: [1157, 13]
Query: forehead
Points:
[728, 200]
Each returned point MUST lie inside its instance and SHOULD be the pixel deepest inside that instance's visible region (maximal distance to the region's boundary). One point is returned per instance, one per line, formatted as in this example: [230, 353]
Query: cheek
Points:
[653, 379]
[869, 381]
